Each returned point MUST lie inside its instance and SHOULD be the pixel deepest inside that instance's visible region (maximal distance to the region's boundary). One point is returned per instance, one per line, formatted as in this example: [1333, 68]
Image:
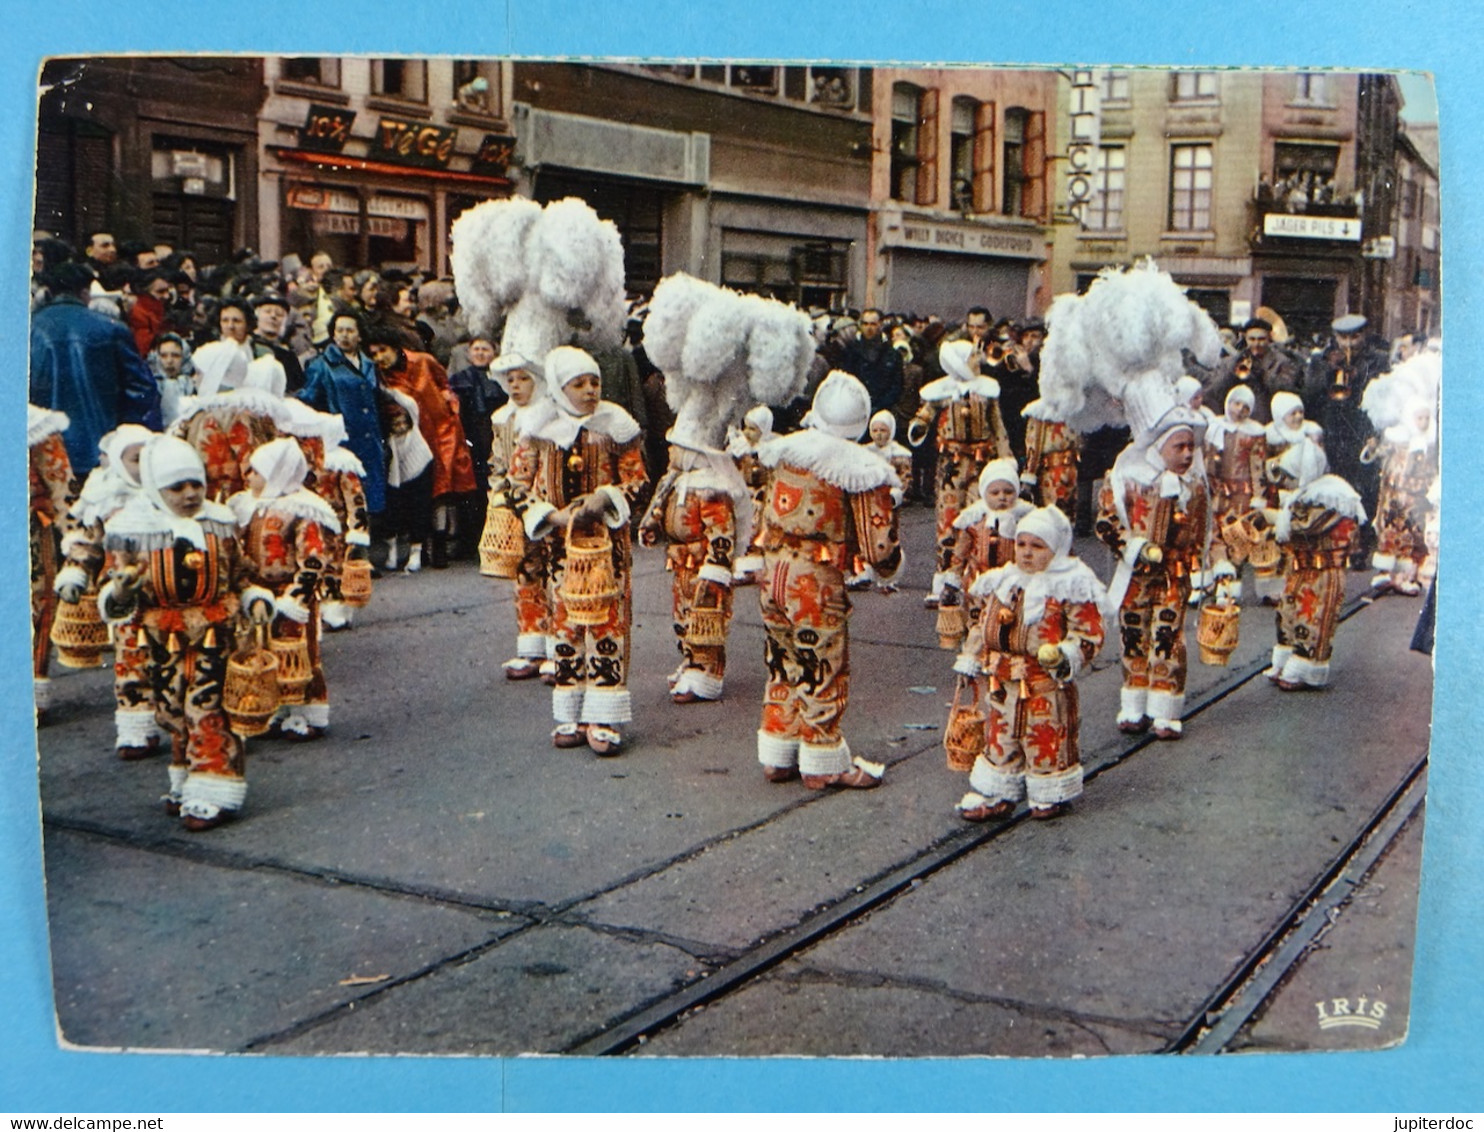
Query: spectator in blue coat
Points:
[87, 366]
[343, 380]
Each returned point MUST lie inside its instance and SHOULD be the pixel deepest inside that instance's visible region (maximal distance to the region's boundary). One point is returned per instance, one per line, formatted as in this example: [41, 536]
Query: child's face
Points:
[1238, 411]
[880, 432]
[1000, 495]
[129, 458]
[584, 392]
[522, 387]
[184, 498]
[1032, 554]
[752, 432]
[1178, 451]
[255, 481]
[1294, 417]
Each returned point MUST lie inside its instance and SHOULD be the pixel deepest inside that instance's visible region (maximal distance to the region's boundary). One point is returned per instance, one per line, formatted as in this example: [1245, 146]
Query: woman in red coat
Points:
[420, 377]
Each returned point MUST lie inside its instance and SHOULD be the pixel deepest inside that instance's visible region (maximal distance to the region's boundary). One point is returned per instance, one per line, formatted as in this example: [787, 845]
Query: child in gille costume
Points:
[881, 439]
[51, 496]
[1042, 624]
[110, 487]
[178, 569]
[1404, 406]
[718, 351]
[828, 500]
[986, 541]
[289, 539]
[757, 426]
[578, 472]
[1317, 524]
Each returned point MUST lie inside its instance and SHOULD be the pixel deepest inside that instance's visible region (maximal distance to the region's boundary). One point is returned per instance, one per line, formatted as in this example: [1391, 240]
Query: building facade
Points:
[756, 177]
[960, 190]
[373, 159]
[1253, 189]
[162, 149]
[1411, 258]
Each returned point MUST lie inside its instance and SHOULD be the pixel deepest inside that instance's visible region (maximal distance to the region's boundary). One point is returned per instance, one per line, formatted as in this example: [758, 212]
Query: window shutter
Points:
[984, 154]
[927, 147]
[1033, 202]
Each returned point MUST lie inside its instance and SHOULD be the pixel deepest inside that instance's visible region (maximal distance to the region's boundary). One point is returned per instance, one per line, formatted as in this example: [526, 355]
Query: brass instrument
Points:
[998, 352]
[917, 428]
[1243, 369]
[1371, 450]
[1339, 389]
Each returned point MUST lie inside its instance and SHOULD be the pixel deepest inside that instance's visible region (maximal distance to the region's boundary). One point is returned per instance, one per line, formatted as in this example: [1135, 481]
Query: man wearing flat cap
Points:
[1333, 387]
[1262, 366]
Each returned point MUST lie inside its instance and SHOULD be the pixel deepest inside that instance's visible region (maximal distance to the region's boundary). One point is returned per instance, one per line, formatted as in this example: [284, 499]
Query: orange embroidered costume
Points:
[584, 468]
[289, 538]
[1318, 523]
[1039, 630]
[182, 574]
[827, 501]
[51, 495]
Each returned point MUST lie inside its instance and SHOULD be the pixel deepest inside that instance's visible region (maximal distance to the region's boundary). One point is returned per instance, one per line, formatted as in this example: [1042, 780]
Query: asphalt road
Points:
[433, 877]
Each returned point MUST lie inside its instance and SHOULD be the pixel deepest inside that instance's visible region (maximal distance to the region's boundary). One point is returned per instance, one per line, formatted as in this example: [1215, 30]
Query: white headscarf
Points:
[220, 365]
[165, 462]
[282, 465]
[410, 454]
[109, 486]
[1065, 578]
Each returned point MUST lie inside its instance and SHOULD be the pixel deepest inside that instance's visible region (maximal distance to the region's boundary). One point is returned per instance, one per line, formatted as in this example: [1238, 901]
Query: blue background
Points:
[1438, 1069]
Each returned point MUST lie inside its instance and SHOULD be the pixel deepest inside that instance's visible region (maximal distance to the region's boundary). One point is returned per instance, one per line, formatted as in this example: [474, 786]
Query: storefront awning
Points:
[360, 164]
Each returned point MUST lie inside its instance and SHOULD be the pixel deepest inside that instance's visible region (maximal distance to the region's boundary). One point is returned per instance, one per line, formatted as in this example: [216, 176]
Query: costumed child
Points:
[1403, 406]
[828, 501]
[757, 426]
[970, 434]
[579, 473]
[881, 437]
[289, 535]
[1288, 428]
[1053, 450]
[110, 487]
[223, 423]
[528, 408]
[1235, 450]
[51, 497]
[341, 482]
[179, 574]
[1153, 516]
[1318, 522]
[1042, 626]
[986, 541]
[719, 351]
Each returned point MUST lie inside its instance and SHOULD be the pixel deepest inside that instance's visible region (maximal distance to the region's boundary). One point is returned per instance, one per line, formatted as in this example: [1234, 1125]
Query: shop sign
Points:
[326, 129]
[961, 238]
[494, 156]
[1083, 138]
[413, 143]
[1297, 225]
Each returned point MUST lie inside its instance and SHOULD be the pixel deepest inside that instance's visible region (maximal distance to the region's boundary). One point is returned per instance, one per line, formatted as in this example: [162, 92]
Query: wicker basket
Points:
[250, 691]
[589, 586]
[708, 627]
[79, 633]
[355, 582]
[953, 625]
[1217, 632]
[1236, 536]
[1264, 553]
[294, 669]
[963, 738]
[503, 543]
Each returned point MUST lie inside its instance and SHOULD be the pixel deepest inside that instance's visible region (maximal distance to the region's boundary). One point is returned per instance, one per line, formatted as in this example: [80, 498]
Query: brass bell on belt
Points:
[575, 462]
[193, 559]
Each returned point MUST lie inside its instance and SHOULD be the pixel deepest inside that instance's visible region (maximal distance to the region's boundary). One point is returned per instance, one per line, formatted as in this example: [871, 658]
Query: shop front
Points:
[937, 267]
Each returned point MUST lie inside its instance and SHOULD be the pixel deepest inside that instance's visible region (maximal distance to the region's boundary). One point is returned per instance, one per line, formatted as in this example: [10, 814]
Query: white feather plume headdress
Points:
[1131, 325]
[1390, 398]
[722, 352]
[553, 274]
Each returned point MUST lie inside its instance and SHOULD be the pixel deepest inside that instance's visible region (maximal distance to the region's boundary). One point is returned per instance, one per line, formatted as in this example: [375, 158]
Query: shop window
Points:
[311, 69]
[1194, 86]
[406, 79]
[1012, 163]
[1190, 188]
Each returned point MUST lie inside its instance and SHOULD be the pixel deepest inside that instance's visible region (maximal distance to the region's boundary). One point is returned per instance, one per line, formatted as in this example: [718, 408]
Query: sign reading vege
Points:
[413, 143]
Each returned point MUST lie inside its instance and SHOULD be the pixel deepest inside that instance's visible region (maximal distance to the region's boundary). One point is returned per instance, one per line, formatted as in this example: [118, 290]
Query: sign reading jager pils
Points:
[326, 129]
[413, 143]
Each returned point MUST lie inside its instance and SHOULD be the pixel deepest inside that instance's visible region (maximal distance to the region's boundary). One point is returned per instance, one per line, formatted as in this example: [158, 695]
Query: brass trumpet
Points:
[1339, 389]
[1243, 369]
[917, 428]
